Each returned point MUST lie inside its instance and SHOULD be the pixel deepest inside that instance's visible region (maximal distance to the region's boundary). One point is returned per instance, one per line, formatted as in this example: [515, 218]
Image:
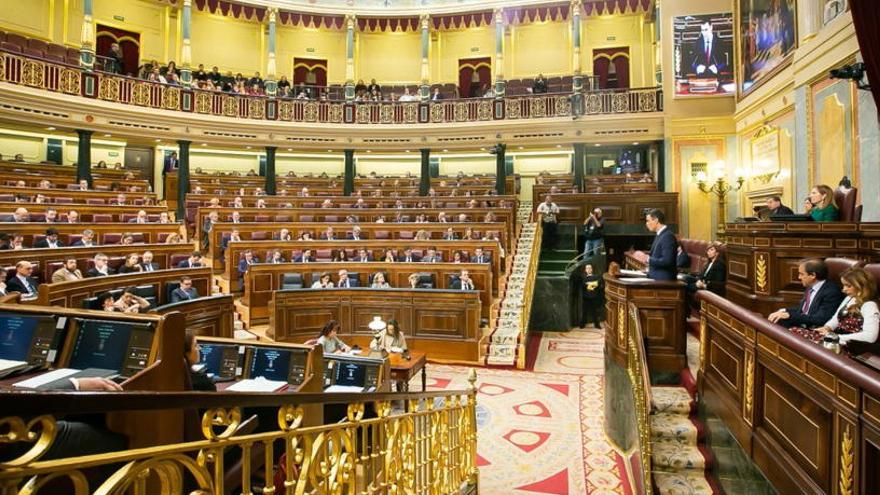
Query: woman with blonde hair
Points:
[422, 235]
[173, 238]
[822, 207]
[858, 317]
[379, 281]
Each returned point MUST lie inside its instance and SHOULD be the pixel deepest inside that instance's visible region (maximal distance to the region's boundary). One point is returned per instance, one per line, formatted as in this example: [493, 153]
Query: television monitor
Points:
[222, 361]
[120, 346]
[351, 374]
[278, 363]
[31, 338]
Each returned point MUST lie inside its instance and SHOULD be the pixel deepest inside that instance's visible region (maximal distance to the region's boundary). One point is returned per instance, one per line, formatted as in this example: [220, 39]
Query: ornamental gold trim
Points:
[33, 73]
[847, 454]
[704, 327]
[749, 390]
[761, 272]
[70, 80]
[621, 325]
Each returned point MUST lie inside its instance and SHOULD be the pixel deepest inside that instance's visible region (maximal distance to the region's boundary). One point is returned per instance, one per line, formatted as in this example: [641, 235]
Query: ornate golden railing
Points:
[637, 369]
[61, 78]
[528, 293]
[428, 448]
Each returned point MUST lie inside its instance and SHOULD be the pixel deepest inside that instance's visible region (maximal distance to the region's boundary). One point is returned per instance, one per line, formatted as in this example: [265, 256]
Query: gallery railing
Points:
[428, 448]
[61, 78]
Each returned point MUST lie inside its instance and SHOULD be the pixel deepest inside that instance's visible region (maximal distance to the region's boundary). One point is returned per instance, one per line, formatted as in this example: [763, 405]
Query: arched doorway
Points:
[611, 67]
[311, 71]
[129, 42]
[473, 74]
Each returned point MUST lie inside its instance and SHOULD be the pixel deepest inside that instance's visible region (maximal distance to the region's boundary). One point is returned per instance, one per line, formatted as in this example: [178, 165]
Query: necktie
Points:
[807, 301]
[480, 259]
[408, 259]
[28, 286]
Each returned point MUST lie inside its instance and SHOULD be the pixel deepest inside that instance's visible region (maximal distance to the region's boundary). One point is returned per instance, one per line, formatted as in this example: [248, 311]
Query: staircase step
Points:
[672, 455]
[684, 483]
[675, 427]
[671, 399]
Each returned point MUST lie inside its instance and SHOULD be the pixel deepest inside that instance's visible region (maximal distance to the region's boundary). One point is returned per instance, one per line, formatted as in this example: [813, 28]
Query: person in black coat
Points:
[23, 282]
[662, 259]
[682, 259]
[775, 207]
[821, 298]
[712, 277]
[592, 295]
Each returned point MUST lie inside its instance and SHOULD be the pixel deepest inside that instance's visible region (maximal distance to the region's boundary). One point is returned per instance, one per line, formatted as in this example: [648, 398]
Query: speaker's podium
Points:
[661, 310]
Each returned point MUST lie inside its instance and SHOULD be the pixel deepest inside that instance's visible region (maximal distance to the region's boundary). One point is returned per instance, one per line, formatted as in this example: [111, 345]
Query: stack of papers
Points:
[8, 366]
[341, 389]
[258, 384]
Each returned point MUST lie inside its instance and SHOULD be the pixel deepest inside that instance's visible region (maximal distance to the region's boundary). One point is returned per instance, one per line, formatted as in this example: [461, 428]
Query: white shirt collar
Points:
[662, 228]
[815, 288]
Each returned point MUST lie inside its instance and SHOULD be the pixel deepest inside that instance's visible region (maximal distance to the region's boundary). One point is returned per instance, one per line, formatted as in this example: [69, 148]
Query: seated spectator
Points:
[21, 215]
[344, 281]
[413, 280]
[340, 256]
[120, 200]
[775, 207]
[194, 261]
[436, 95]
[821, 298]
[540, 85]
[185, 292]
[101, 268]
[5, 241]
[18, 157]
[284, 235]
[857, 318]
[329, 340]
[363, 256]
[306, 236]
[132, 264]
[105, 302]
[457, 257]
[87, 239]
[463, 282]
[129, 302]
[432, 256]
[355, 234]
[328, 234]
[44, 184]
[245, 264]
[3, 289]
[449, 235]
[276, 257]
[147, 264]
[140, 218]
[388, 256]
[23, 282]
[18, 242]
[822, 207]
[127, 239]
[480, 257]
[173, 238]
[379, 281]
[422, 235]
[408, 256]
[164, 217]
[50, 241]
[323, 282]
[261, 203]
[72, 216]
[83, 185]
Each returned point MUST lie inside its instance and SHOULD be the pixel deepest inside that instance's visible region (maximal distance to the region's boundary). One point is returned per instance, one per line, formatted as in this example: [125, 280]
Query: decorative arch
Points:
[473, 73]
[129, 42]
[311, 71]
[611, 67]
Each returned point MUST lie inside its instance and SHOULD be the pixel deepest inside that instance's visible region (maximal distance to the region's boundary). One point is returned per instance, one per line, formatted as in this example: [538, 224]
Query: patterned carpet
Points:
[540, 432]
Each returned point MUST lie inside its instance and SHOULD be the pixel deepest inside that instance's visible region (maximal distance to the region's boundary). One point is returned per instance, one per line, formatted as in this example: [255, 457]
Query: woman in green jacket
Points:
[823, 208]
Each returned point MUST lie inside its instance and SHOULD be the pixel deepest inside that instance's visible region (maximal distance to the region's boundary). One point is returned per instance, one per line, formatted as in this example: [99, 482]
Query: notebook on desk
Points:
[258, 384]
[341, 389]
[55, 379]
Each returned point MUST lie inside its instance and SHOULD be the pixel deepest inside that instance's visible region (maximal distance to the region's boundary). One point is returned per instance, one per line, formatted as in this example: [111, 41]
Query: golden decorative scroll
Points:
[437, 112]
[310, 112]
[484, 110]
[621, 325]
[171, 98]
[108, 89]
[285, 110]
[33, 73]
[514, 108]
[846, 461]
[761, 272]
[562, 106]
[257, 108]
[647, 101]
[461, 111]
[140, 94]
[410, 113]
[230, 106]
[69, 79]
[593, 104]
[620, 102]
[386, 114]
[336, 113]
[203, 102]
[704, 327]
[538, 107]
[749, 390]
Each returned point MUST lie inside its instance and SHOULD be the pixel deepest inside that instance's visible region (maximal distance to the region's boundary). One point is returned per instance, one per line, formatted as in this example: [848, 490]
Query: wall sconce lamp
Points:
[720, 187]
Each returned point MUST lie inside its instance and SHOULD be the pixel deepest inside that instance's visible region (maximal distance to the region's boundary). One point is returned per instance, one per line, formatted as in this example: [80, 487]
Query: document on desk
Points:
[38, 381]
[633, 273]
[258, 384]
[8, 366]
[343, 389]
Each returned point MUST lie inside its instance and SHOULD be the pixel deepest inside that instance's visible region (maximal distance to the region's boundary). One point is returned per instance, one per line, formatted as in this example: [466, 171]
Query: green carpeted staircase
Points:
[553, 262]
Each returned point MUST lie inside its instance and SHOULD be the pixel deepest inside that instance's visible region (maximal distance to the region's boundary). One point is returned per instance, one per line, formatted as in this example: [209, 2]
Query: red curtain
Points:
[473, 75]
[129, 42]
[604, 59]
[304, 67]
[866, 18]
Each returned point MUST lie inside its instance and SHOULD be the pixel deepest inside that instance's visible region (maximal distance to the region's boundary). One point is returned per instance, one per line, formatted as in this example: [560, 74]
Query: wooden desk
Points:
[150, 233]
[79, 196]
[263, 280]
[86, 212]
[211, 316]
[402, 370]
[63, 170]
[661, 313]
[763, 257]
[442, 323]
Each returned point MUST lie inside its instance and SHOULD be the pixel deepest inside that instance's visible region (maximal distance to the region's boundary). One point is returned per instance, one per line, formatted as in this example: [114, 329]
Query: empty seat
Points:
[111, 238]
[383, 234]
[10, 47]
[38, 44]
[260, 236]
[261, 218]
[145, 290]
[282, 218]
[324, 255]
[426, 280]
[115, 262]
[176, 259]
[102, 218]
[291, 281]
[60, 199]
[405, 234]
[94, 201]
[16, 39]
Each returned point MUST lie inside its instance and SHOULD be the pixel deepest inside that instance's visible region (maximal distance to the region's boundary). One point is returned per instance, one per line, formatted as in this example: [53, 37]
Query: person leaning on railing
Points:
[857, 318]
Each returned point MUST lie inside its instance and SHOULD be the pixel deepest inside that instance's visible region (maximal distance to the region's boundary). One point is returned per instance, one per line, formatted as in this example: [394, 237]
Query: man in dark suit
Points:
[408, 256]
[775, 207]
[194, 261]
[101, 268]
[23, 282]
[363, 256]
[682, 259]
[147, 264]
[345, 281]
[244, 265]
[50, 241]
[304, 257]
[185, 292]
[355, 234]
[171, 163]
[432, 256]
[86, 240]
[662, 259]
[820, 301]
[463, 282]
[480, 257]
[708, 54]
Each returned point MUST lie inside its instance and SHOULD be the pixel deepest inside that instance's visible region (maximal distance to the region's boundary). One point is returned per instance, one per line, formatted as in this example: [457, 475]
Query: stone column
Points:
[271, 83]
[500, 84]
[270, 170]
[186, 48]
[84, 156]
[348, 182]
[87, 39]
[425, 175]
[810, 13]
[182, 177]
[425, 89]
[577, 77]
[500, 169]
[350, 21]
